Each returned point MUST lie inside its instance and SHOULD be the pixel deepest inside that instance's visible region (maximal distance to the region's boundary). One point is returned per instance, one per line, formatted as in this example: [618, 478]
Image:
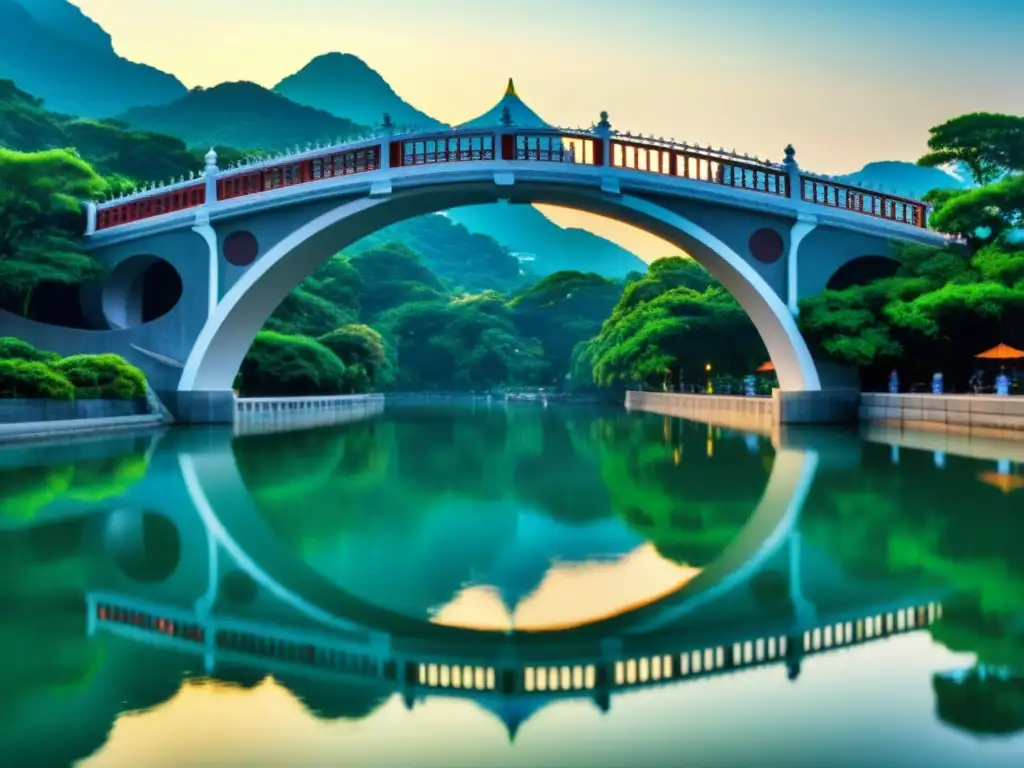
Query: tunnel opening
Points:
[139, 290]
[863, 270]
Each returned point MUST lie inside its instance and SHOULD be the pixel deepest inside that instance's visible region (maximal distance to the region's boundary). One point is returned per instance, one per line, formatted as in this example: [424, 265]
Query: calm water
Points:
[511, 586]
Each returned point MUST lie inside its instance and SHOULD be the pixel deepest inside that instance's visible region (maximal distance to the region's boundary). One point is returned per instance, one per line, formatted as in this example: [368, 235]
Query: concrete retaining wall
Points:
[830, 406]
[974, 414]
[755, 414]
[59, 428]
[17, 410]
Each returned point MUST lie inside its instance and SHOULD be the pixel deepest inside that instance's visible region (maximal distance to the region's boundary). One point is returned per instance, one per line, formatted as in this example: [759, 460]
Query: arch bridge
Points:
[240, 239]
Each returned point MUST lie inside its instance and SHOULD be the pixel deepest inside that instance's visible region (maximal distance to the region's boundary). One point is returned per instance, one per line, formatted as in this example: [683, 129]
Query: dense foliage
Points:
[944, 305]
[278, 364]
[27, 372]
[107, 377]
[393, 322]
[41, 221]
[667, 328]
[27, 379]
[41, 186]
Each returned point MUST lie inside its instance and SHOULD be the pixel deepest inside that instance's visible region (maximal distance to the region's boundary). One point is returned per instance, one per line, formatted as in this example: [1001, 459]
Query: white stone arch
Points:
[227, 335]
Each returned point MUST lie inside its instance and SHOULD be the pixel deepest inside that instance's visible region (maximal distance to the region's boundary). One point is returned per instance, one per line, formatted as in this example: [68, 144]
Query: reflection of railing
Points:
[298, 648]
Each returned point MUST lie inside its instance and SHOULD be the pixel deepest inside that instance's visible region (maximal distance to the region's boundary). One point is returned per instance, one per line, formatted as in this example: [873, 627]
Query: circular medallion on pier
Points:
[241, 248]
[766, 245]
[145, 545]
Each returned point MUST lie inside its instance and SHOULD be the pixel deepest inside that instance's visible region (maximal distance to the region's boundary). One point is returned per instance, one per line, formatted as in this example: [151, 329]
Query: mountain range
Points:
[906, 179]
[54, 51]
[345, 86]
[242, 115]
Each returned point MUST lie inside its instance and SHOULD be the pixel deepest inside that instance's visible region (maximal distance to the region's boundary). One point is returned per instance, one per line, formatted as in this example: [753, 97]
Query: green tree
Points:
[562, 310]
[990, 145]
[982, 215]
[467, 344]
[26, 379]
[304, 313]
[361, 347]
[11, 347]
[675, 336]
[102, 377]
[41, 221]
[278, 365]
[392, 275]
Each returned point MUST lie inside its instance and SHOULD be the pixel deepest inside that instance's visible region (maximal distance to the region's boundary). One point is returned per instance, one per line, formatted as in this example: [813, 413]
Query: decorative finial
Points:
[211, 158]
[604, 123]
[790, 155]
[506, 116]
[387, 123]
[511, 89]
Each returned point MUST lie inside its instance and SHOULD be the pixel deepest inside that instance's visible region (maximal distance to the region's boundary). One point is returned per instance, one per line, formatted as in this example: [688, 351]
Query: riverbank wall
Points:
[830, 406]
[44, 430]
[978, 415]
[26, 410]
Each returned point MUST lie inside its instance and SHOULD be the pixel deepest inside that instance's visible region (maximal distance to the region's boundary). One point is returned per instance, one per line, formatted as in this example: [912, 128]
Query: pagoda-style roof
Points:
[520, 114]
[513, 710]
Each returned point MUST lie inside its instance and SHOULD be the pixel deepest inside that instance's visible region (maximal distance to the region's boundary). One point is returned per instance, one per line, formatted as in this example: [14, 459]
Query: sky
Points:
[847, 83]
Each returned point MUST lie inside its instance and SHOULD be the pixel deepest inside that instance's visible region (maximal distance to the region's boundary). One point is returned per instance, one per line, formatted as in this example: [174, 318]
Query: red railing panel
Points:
[878, 204]
[696, 165]
[448, 149]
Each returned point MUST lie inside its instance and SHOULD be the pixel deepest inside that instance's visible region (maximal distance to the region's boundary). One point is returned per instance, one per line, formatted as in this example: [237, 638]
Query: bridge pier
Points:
[823, 406]
[201, 407]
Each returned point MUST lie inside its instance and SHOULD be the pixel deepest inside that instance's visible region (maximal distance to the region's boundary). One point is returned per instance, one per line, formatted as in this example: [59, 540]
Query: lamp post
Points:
[710, 386]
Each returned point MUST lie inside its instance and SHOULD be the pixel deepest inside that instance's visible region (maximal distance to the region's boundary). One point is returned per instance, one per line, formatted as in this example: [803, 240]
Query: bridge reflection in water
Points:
[228, 598]
[290, 620]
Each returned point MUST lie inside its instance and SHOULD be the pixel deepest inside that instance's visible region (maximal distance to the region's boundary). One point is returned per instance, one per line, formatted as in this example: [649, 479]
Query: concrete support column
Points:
[805, 611]
[803, 226]
[201, 407]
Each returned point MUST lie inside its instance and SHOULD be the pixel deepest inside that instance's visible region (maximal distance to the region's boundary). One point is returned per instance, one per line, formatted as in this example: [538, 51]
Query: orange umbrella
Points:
[1001, 352]
[770, 366]
[1004, 482]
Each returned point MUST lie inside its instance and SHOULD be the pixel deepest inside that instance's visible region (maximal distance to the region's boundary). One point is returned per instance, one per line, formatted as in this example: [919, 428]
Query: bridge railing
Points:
[881, 205]
[596, 147]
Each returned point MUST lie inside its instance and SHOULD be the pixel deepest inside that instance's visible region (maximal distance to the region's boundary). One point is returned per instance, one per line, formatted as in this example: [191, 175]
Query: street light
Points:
[707, 367]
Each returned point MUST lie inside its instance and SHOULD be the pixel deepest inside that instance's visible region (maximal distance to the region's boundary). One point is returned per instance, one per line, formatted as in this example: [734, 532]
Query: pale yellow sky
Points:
[846, 84]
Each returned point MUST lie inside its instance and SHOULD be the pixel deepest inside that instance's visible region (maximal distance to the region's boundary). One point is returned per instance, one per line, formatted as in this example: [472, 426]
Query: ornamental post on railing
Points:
[603, 130]
[926, 214]
[210, 176]
[792, 173]
[504, 150]
[384, 157]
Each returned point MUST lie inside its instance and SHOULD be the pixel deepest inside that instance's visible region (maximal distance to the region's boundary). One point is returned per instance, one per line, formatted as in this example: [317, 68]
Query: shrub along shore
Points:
[30, 373]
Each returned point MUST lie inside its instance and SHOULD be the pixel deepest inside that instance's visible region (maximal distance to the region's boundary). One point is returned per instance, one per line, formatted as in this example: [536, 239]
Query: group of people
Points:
[976, 384]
